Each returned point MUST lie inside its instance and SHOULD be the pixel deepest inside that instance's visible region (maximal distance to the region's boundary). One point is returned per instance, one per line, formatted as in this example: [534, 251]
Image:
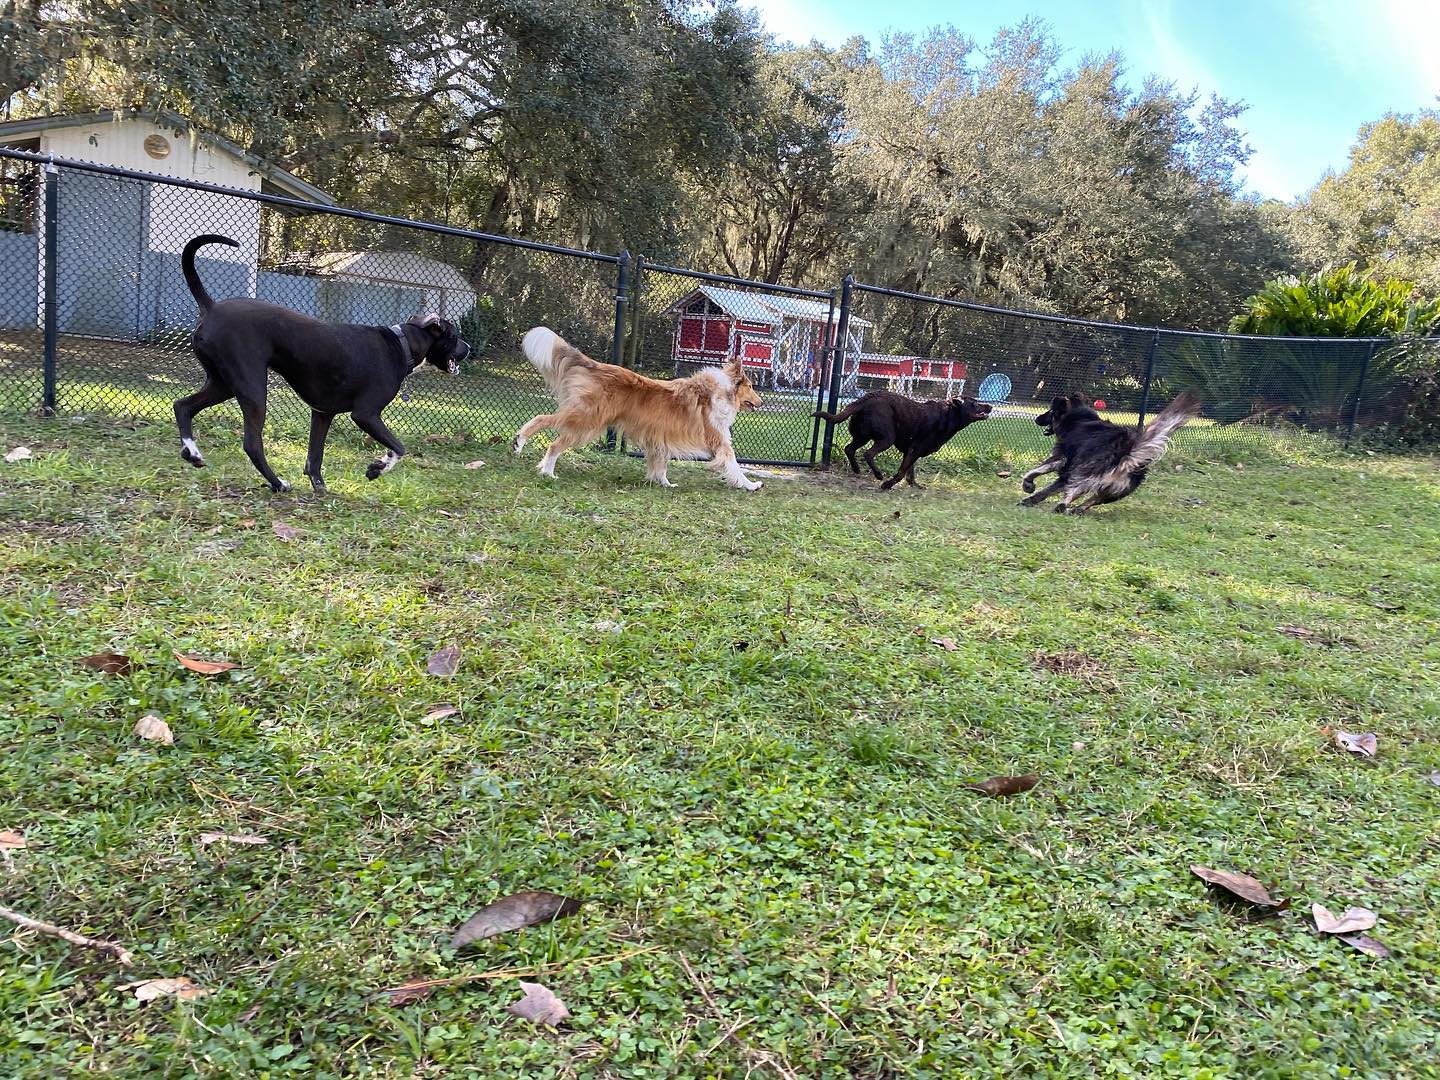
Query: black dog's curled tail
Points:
[187, 267]
[836, 418]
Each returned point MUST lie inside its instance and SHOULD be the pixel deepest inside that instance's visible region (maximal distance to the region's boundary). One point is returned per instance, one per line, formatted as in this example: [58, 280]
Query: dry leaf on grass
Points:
[285, 532]
[444, 662]
[205, 667]
[150, 989]
[108, 663]
[1298, 632]
[1241, 886]
[246, 523]
[231, 838]
[539, 1006]
[512, 913]
[408, 992]
[20, 453]
[1365, 944]
[153, 729]
[476, 464]
[949, 644]
[440, 712]
[1003, 474]
[11, 841]
[1363, 743]
[1351, 921]
[999, 786]
[1069, 662]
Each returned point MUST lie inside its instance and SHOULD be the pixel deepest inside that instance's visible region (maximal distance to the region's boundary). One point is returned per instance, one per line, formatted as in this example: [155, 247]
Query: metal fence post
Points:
[617, 343]
[837, 366]
[51, 302]
[1149, 374]
[1359, 389]
[821, 382]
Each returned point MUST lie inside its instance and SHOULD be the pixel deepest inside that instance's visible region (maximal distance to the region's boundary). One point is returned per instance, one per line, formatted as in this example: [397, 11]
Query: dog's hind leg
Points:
[253, 409]
[212, 393]
[657, 462]
[850, 453]
[315, 457]
[1043, 494]
[540, 423]
[372, 425]
[881, 445]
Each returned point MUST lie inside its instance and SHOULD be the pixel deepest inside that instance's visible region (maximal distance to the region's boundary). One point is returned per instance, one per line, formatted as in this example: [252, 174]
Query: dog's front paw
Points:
[754, 485]
[191, 453]
[518, 445]
[1027, 485]
[280, 487]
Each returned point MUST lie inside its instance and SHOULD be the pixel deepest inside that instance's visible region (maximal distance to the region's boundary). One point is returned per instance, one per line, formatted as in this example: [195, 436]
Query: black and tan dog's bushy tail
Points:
[1155, 439]
[187, 267]
[839, 417]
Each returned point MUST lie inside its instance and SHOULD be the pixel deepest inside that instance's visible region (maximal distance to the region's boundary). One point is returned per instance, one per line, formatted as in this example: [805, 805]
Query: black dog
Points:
[917, 428]
[1098, 459]
[334, 367]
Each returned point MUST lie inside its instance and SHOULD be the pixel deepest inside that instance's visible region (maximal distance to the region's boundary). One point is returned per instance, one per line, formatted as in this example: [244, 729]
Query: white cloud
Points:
[1396, 44]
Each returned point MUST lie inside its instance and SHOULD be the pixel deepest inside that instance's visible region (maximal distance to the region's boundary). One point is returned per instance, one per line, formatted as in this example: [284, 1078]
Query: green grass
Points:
[762, 770]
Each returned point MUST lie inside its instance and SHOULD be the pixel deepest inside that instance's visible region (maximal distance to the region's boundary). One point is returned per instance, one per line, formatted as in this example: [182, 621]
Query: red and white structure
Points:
[781, 341]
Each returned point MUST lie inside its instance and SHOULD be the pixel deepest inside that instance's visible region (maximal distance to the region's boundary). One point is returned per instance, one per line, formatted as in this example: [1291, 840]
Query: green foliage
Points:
[792, 819]
[1339, 301]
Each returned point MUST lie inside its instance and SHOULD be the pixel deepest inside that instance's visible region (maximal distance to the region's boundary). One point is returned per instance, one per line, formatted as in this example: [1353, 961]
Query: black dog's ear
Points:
[1076, 401]
[1059, 405]
[430, 321]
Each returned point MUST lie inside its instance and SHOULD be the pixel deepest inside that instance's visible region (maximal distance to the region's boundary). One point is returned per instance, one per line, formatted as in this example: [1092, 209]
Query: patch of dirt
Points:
[1078, 664]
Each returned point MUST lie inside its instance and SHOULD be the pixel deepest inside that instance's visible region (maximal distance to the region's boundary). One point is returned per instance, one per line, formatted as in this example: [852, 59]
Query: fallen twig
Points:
[120, 953]
[515, 972]
[759, 1057]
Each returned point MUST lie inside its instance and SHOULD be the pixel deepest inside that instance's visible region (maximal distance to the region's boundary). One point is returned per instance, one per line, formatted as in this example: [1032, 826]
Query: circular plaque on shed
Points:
[157, 146]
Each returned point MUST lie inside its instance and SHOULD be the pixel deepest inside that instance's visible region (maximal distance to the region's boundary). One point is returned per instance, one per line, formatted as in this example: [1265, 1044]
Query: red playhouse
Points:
[780, 340]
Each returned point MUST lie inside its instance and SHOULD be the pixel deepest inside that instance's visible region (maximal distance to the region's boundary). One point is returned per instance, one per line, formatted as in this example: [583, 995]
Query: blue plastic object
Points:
[994, 387]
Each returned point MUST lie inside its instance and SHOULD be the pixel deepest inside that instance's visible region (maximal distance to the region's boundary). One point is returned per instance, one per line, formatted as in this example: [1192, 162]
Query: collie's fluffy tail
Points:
[554, 358]
[187, 267]
[1155, 439]
[835, 418]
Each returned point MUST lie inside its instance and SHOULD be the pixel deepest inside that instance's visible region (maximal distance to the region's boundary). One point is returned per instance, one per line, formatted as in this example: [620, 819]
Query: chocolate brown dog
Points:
[917, 428]
[334, 367]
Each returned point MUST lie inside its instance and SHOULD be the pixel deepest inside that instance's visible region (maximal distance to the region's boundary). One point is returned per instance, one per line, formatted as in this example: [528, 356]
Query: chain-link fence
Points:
[95, 316]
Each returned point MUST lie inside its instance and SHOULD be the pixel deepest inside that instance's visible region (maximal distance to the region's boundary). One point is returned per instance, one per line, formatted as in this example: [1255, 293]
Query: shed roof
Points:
[284, 182]
[761, 307]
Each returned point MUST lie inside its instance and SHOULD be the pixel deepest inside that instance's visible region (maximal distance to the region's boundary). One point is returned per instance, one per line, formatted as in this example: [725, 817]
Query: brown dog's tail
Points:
[836, 418]
[558, 362]
[1155, 439]
[187, 267]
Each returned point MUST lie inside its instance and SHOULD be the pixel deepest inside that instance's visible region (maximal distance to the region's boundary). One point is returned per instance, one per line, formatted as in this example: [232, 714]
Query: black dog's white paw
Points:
[280, 487]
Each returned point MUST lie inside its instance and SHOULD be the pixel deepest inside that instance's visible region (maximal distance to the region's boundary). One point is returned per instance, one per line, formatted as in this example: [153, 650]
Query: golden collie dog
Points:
[677, 418]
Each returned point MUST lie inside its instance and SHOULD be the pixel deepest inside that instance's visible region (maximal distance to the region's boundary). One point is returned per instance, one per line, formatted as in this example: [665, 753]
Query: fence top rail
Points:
[1070, 320]
[725, 279]
[299, 204]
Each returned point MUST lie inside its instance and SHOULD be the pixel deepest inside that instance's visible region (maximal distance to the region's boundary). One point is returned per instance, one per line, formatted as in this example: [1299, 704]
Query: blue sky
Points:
[1311, 73]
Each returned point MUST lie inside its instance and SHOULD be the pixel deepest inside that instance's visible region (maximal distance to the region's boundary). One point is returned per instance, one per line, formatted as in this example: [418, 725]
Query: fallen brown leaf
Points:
[285, 532]
[205, 667]
[446, 661]
[246, 523]
[153, 729]
[408, 992]
[999, 786]
[539, 1006]
[20, 453]
[231, 838]
[150, 989]
[1240, 885]
[440, 712]
[108, 663]
[949, 644]
[11, 841]
[1363, 743]
[1003, 474]
[512, 913]
[1365, 944]
[1297, 632]
[476, 464]
[1352, 920]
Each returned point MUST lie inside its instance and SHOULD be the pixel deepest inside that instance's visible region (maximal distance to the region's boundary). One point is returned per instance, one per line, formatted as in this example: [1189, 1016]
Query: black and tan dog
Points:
[915, 428]
[334, 367]
[1098, 461]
